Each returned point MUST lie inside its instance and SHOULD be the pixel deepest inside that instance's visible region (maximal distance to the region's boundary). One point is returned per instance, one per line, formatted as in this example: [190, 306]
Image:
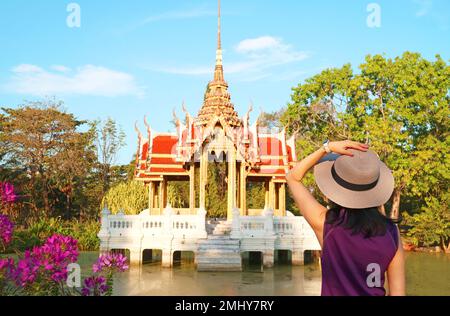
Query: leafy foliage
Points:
[53, 157]
[131, 197]
[401, 107]
[109, 140]
[84, 232]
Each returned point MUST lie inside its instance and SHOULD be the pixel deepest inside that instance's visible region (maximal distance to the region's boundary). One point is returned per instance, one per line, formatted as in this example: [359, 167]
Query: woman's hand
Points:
[343, 147]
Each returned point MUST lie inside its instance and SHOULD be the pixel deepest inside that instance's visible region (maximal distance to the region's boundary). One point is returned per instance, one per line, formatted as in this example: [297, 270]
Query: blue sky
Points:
[144, 57]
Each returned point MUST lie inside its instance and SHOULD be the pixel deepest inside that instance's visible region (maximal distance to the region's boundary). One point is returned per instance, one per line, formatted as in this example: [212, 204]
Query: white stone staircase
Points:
[218, 252]
[218, 227]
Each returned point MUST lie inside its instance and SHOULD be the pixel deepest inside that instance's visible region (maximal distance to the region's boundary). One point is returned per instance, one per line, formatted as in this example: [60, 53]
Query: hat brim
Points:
[374, 197]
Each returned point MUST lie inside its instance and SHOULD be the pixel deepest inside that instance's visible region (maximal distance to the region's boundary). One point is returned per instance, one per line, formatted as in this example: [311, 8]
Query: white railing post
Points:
[201, 223]
[104, 230]
[268, 223]
[168, 220]
[236, 224]
[104, 234]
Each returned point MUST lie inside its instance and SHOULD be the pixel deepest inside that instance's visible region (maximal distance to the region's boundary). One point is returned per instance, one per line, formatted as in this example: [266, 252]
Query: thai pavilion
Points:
[216, 134]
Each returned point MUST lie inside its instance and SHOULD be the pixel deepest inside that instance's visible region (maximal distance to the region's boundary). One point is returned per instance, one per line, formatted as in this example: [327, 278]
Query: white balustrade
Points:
[171, 231]
[184, 226]
[252, 226]
[267, 225]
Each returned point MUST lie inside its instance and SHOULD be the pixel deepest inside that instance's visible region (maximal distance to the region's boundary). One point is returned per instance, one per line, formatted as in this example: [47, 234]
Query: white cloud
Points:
[61, 68]
[257, 44]
[192, 13]
[86, 80]
[26, 68]
[255, 57]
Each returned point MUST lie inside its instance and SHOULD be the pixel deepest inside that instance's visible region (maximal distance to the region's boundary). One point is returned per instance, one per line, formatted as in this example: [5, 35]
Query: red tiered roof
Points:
[269, 155]
[159, 157]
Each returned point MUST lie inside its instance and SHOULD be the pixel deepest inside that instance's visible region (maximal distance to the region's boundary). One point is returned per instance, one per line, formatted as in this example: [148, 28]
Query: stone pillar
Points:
[151, 197]
[201, 224]
[282, 199]
[135, 257]
[160, 198]
[268, 258]
[238, 188]
[104, 233]
[167, 258]
[231, 183]
[272, 195]
[164, 192]
[203, 178]
[243, 188]
[298, 258]
[266, 197]
[236, 225]
[192, 189]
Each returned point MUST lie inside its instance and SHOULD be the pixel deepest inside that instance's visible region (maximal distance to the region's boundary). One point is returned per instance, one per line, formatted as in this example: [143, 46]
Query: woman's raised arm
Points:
[310, 208]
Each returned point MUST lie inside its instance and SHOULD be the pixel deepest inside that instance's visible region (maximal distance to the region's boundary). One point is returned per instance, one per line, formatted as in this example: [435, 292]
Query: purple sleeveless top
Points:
[353, 265]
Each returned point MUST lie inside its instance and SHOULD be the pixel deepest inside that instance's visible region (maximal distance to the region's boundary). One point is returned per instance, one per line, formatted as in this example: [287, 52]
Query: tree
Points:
[110, 139]
[431, 226]
[51, 152]
[130, 197]
[271, 121]
[400, 106]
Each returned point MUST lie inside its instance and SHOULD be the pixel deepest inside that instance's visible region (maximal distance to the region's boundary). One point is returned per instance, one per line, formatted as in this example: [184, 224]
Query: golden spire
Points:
[219, 39]
[219, 58]
[217, 101]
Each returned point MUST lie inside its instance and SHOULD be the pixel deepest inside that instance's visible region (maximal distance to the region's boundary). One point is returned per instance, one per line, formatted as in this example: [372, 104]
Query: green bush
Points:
[131, 197]
[36, 233]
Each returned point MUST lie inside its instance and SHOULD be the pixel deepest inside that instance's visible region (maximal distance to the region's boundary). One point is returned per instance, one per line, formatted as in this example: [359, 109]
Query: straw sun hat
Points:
[357, 182]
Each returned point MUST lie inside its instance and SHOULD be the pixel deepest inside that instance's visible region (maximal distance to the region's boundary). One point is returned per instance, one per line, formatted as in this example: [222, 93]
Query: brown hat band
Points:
[352, 186]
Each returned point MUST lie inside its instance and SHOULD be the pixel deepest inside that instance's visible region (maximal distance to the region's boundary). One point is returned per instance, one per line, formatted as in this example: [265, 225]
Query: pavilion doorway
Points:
[217, 185]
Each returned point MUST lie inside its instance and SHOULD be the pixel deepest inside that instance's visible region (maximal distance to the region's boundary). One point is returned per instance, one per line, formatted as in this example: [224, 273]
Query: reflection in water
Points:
[184, 280]
[426, 274]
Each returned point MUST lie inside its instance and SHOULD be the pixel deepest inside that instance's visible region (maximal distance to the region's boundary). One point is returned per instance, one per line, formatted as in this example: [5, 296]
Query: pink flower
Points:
[6, 230]
[110, 262]
[48, 261]
[7, 193]
[95, 286]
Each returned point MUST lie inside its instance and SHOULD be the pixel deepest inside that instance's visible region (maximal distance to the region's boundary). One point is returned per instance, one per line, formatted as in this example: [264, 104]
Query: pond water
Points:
[427, 274]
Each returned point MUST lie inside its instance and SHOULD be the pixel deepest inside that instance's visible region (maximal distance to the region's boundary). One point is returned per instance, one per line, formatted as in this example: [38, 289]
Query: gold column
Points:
[231, 184]
[164, 191]
[282, 199]
[155, 197]
[192, 189]
[160, 198]
[272, 195]
[266, 197]
[203, 178]
[238, 188]
[243, 188]
[151, 196]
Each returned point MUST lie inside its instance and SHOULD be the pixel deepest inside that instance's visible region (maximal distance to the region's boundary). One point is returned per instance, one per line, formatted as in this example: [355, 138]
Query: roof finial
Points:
[219, 41]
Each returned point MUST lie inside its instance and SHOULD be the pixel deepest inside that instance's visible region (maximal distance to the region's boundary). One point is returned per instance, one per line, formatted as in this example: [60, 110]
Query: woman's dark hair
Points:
[369, 222]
